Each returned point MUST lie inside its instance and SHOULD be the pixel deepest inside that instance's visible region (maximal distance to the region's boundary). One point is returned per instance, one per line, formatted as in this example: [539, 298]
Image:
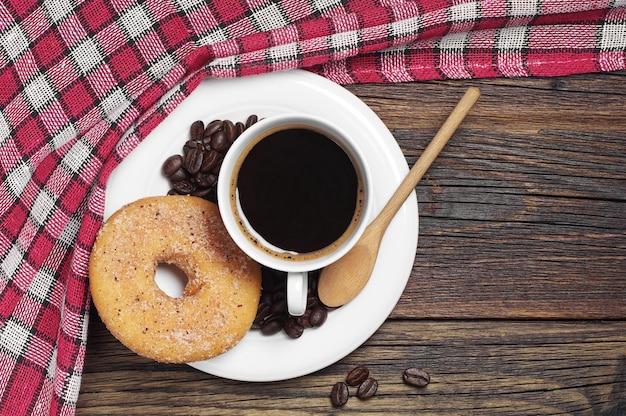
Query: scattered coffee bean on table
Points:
[357, 376]
[416, 377]
[339, 394]
[367, 388]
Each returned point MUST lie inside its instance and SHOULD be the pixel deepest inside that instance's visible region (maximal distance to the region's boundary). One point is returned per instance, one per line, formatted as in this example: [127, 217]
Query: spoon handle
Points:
[426, 159]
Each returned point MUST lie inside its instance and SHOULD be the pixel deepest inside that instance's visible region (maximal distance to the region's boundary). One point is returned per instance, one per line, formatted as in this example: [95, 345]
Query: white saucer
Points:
[277, 357]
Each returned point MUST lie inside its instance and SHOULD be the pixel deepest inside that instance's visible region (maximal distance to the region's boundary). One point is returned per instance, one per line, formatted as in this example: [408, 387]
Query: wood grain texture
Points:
[482, 367]
[523, 214]
[516, 304]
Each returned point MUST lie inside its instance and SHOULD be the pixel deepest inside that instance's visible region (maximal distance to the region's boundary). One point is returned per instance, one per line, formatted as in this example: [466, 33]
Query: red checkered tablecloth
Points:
[83, 82]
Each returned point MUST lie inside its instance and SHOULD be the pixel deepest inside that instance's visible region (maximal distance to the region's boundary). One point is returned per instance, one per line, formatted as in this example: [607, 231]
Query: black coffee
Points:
[298, 189]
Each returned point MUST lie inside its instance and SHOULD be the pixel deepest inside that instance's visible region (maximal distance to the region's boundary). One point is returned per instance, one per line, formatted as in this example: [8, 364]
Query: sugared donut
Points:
[220, 299]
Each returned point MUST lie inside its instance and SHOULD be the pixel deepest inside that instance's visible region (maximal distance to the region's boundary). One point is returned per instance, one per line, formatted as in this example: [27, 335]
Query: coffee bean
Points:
[230, 131]
[201, 192]
[193, 160]
[272, 325]
[279, 307]
[339, 394]
[303, 320]
[240, 128]
[416, 377]
[219, 141]
[367, 388]
[279, 291]
[191, 144]
[253, 118]
[172, 164]
[196, 130]
[263, 312]
[292, 328]
[217, 167]
[205, 180]
[212, 127]
[318, 315]
[358, 375]
[184, 187]
[209, 161]
[179, 175]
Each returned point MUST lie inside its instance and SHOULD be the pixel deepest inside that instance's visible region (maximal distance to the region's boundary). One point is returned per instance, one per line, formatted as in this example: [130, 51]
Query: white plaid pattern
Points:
[115, 104]
[75, 161]
[465, 12]
[512, 39]
[524, 8]
[405, 28]
[613, 37]
[270, 16]
[284, 53]
[135, 21]
[39, 92]
[42, 207]
[452, 63]
[18, 178]
[14, 338]
[323, 6]
[11, 262]
[57, 10]
[14, 43]
[42, 284]
[87, 56]
[5, 129]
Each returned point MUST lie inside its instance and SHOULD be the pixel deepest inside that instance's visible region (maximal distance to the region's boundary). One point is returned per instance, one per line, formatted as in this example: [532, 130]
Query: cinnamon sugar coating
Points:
[220, 299]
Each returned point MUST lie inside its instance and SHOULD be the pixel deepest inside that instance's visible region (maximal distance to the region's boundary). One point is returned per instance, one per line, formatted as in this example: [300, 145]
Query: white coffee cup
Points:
[295, 194]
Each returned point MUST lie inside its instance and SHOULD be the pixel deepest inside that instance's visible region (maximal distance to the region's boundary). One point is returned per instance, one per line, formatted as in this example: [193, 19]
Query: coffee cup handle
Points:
[297, 286]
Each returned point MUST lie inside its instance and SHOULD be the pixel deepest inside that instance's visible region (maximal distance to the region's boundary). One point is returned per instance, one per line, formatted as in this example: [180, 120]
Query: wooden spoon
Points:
[341, 281]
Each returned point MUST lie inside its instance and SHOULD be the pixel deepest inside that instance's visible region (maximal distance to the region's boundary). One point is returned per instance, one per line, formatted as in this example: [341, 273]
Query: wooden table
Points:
[516, 304]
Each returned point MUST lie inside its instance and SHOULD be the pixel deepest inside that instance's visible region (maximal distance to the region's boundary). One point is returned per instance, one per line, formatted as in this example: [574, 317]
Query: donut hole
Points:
[171, 280]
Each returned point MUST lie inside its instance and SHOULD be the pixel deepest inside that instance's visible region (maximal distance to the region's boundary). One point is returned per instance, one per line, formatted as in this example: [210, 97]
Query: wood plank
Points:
[590, 102]
[524, 212]
[484, 367]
